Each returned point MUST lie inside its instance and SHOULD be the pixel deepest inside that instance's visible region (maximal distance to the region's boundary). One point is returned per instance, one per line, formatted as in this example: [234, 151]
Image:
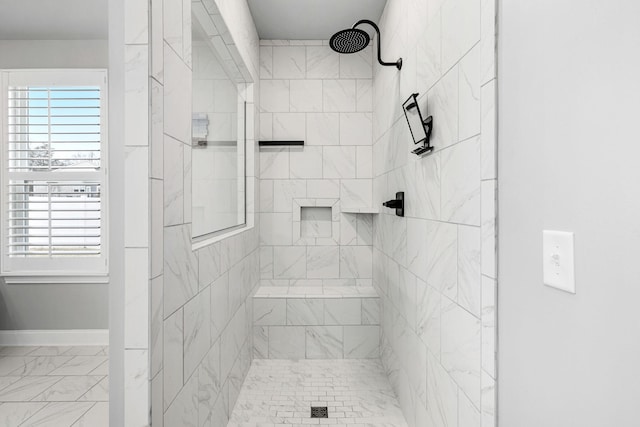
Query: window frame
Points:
[55, 270]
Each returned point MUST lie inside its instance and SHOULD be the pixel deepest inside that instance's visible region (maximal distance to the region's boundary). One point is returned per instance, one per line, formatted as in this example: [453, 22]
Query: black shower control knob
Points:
[397, 203]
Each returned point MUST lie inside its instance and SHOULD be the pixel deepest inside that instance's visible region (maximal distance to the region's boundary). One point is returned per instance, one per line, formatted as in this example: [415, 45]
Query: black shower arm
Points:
[375, 27]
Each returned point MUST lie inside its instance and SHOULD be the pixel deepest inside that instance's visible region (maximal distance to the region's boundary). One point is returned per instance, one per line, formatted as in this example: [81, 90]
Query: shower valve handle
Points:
[397, 203]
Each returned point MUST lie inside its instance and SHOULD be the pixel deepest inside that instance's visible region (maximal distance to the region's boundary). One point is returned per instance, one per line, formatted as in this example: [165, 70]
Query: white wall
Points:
[53, 306]
[53, 54]
[435, 268]
[569, 104]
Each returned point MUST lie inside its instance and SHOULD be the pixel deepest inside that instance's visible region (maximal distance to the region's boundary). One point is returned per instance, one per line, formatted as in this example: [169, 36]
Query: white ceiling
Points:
[310, 19]
[53, 19]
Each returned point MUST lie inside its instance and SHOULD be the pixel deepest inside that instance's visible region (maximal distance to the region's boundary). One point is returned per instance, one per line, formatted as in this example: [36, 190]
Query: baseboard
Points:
[63, 337]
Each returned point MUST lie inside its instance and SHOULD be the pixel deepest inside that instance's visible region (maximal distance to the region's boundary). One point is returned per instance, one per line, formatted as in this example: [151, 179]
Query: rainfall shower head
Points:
[350, 40]
[353, 40]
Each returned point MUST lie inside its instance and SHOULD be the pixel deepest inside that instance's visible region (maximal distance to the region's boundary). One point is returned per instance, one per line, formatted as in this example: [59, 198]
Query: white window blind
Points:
[54, 172]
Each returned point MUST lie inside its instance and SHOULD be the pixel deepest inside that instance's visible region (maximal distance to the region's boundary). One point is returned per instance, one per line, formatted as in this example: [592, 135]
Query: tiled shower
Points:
[322, 270]
[285, 213]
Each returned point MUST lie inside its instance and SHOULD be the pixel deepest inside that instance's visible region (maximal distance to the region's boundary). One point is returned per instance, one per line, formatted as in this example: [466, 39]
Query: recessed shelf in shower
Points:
[315, 221]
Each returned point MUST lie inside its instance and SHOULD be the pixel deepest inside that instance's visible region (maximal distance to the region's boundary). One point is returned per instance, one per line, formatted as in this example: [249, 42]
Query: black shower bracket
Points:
[398, 63]
[397, 203]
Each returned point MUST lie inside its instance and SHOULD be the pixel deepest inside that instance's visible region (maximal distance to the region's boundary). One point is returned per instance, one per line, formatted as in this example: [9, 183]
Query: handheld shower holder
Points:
[425, 127]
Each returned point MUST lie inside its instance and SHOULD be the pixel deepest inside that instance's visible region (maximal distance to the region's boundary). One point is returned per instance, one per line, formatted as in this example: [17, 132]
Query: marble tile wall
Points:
[200, 299]
[311, 93]
[435, 269]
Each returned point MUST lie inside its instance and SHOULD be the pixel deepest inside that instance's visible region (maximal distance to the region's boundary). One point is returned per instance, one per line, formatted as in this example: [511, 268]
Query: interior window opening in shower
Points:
[217, 139]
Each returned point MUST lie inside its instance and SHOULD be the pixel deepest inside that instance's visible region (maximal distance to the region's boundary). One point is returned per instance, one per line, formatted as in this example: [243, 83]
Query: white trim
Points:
[199, 244]
[53, 278]
[71, 266]
[52, 337]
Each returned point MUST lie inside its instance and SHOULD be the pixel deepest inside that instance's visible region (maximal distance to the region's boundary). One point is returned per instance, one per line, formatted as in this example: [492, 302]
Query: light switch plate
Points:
[558, 261]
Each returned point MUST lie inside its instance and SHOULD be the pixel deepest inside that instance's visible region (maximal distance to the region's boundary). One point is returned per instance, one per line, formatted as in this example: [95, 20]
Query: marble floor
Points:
[54, 386]
[282, 392]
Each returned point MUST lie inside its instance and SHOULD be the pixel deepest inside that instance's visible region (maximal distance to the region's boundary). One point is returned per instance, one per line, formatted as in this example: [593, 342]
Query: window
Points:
[54, 173]
[218, 138]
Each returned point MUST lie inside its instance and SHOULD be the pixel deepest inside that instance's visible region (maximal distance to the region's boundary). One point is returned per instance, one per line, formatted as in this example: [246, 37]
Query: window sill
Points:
[210, 240]
[41, 279]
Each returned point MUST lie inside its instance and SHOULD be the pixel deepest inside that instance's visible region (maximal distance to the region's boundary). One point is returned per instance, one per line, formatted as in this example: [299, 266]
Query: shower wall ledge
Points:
[361, 210]
[316, 292]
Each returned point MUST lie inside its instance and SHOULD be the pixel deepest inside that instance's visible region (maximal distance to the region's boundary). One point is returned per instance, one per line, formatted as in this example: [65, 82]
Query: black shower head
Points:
[351, 40]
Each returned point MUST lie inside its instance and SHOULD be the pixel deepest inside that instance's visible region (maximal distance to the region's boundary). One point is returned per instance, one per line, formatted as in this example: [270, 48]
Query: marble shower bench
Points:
[331, 322]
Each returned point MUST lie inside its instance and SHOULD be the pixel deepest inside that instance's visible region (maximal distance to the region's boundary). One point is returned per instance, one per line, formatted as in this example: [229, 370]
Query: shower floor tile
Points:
[54, 386]
[282, 392]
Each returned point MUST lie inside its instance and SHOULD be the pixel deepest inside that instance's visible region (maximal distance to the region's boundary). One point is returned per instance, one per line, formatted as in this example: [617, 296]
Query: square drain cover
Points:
[319, 412]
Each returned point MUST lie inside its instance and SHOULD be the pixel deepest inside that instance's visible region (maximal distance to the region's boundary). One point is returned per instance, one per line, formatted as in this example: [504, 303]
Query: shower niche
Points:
[316, 222]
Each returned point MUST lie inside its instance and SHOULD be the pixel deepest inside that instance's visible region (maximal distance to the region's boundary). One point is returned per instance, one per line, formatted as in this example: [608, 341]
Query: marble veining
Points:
[461, 348]
[289, 262]
[339, 95]
[442, 394]
[269, 312]
[289, 62]
[356, 262]
[324, 342]
[361, 342]
[209, 381]
[184, 410]
[347, 311]
[305, 311]
[461, 183]
[60, 413]
[323, 262]
[57, 386]
[322, 62]
[442, 258]
[15, 413]
[469, 94]
[197, 314]
[469, 282]
[68, 388]
[180, 268]
[173, 356]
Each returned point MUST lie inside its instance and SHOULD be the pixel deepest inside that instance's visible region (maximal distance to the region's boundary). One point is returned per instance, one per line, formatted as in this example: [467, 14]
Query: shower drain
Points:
[319, 412]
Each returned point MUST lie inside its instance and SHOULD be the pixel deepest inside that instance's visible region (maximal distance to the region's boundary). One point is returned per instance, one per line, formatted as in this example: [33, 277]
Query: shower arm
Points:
[397, 64]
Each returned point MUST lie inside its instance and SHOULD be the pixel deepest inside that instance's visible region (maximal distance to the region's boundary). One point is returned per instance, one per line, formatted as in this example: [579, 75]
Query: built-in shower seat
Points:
[304, 322]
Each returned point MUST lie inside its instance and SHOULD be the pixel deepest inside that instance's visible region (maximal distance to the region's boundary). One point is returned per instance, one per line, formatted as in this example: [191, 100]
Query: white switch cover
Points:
[557, 257]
